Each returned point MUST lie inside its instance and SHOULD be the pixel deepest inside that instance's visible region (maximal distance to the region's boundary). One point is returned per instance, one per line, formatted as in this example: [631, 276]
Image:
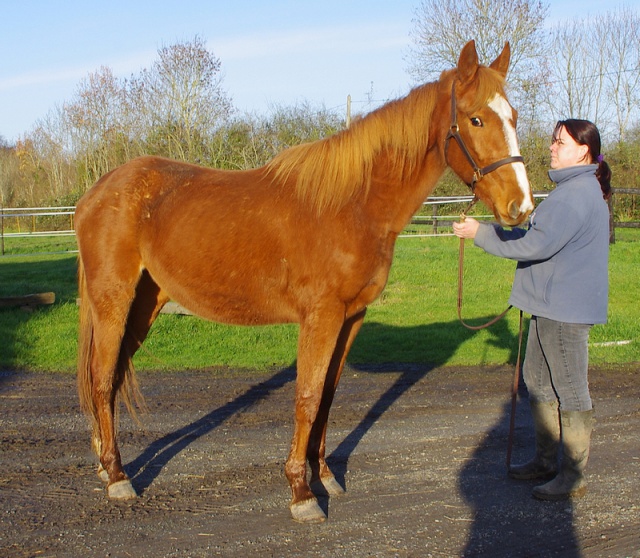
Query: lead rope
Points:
[514, 395]
[516, 374]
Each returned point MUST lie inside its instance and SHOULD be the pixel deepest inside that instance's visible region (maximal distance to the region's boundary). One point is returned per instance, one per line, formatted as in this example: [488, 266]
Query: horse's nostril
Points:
[514, 210]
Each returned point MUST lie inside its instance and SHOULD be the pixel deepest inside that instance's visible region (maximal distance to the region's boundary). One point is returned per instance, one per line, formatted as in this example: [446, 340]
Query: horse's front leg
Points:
[316, 345]
[322, 479]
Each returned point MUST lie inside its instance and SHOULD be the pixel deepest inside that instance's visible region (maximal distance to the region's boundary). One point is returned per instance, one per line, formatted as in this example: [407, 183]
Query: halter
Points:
[478, 173]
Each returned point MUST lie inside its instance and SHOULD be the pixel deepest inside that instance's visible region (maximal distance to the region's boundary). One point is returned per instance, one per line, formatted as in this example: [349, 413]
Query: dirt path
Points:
[421, 453]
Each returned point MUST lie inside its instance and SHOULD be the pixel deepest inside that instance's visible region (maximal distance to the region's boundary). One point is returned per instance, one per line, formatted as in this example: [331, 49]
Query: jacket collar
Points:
[561, 175]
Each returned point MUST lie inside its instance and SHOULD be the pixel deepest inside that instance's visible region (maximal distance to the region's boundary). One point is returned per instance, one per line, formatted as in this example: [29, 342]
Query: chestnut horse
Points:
[306, 239]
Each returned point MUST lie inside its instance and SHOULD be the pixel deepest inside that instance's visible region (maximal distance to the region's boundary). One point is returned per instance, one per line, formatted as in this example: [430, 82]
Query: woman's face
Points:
[565, 152]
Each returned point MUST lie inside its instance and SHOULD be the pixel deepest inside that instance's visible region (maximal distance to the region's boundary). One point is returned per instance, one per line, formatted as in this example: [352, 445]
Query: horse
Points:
[308, 239]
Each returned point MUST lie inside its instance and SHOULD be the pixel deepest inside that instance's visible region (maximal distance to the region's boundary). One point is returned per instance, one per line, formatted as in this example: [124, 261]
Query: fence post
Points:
[435, 218]
[612, 222]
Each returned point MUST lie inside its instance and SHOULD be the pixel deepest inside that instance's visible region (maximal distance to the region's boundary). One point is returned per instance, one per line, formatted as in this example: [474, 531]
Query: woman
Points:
[562, 281]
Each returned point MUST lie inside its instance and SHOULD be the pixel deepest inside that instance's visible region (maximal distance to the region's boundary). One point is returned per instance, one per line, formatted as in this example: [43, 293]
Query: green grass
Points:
[413, 321]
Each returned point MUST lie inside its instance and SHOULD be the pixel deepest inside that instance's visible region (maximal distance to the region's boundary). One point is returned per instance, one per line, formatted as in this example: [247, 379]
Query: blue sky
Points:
[275, 52]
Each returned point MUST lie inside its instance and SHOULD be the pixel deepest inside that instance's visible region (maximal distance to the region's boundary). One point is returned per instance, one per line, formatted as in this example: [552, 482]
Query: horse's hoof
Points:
[102, 473]
[308, 512]
[121, 490]
[328, 486]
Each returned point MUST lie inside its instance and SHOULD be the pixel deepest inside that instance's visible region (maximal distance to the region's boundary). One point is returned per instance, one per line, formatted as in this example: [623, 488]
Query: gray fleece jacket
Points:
[562, 271]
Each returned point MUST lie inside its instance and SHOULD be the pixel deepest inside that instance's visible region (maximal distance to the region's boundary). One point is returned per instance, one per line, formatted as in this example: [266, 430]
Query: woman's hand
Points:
[467, 229]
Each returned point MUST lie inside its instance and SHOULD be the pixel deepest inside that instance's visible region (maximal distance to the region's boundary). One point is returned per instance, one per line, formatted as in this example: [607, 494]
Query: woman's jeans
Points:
[556, 363]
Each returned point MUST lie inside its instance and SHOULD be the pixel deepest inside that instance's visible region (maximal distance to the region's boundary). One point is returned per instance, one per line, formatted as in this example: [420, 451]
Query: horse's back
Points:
[149, 190]
[144, 180]
[217, 241]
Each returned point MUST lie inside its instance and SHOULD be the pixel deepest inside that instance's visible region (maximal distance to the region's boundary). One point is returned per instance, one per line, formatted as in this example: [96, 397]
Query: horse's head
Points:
[481, 145]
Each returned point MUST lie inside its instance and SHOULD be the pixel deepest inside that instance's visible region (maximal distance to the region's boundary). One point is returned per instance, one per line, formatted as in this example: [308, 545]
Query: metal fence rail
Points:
[32, 222]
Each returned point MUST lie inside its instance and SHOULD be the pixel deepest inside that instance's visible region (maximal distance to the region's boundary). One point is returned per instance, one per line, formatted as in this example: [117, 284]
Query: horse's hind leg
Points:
[322, 479]
[107, 376]
[144, 309]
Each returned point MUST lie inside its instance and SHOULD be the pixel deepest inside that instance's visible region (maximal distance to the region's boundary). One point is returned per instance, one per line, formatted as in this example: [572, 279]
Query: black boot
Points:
[576, 438]
[547, 428]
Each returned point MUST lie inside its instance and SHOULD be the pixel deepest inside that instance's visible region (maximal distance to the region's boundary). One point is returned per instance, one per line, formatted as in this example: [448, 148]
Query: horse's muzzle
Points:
[516, 213]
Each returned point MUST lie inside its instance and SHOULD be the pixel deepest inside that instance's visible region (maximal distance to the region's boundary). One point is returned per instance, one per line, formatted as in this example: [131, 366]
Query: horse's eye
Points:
[476, 122]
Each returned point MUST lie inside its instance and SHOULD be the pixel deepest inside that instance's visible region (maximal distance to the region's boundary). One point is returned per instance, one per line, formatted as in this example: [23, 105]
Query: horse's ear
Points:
[501, 64]
[468, 62]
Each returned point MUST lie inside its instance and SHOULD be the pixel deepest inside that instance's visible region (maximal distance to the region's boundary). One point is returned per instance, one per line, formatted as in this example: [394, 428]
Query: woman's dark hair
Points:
[586, 133]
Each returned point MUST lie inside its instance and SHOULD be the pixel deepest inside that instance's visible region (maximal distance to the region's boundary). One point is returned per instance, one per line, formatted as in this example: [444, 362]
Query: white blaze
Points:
[503, 109]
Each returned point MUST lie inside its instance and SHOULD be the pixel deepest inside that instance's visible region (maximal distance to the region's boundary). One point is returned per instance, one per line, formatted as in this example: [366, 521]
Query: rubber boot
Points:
[576, 438]
[544, 464]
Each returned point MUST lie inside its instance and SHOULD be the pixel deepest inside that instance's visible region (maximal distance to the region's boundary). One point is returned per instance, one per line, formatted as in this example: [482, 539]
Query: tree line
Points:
[583, 68]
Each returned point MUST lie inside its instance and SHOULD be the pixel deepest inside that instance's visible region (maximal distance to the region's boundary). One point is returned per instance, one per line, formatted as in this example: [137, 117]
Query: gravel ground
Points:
[421, 452]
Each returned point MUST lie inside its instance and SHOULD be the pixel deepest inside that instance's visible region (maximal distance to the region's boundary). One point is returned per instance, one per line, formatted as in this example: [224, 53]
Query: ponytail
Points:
[603, 174]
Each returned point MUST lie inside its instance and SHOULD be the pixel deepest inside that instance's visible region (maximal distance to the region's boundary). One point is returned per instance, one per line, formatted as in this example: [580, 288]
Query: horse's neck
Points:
[396, 194]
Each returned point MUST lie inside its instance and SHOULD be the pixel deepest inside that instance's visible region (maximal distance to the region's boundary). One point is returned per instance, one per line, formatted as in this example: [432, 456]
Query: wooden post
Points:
[612, 224]
[435, 218]
[348, 110]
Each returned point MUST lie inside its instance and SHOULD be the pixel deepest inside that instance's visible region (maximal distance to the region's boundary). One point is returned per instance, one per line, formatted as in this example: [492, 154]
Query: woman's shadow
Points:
[507, 520]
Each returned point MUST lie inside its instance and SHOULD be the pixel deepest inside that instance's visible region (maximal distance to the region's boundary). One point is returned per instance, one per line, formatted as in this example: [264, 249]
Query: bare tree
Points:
[98, 124]
[595, 73]
[576, 78]
[9, 173]
[442, 27]
[620, 32]
[182, 99]
[251, 141]
[45, 163]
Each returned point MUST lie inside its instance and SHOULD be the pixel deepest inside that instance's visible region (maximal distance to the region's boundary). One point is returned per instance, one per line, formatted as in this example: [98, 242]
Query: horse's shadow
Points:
[148, 465]
[144, 469]
[448, 335]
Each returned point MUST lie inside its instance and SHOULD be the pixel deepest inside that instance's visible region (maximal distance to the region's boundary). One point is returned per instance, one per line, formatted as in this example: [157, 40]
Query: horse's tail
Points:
[85, 352]
[125, 378]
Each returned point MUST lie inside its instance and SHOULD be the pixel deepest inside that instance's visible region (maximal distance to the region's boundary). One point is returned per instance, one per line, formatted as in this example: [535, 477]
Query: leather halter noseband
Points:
[478, 173]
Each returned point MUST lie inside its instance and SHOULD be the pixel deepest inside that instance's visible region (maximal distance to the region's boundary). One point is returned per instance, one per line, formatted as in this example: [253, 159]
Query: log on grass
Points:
[27, 301]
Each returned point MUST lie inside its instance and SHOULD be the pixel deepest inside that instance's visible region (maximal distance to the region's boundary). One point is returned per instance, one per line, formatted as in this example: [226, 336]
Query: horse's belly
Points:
[234, 310]
[228, 290]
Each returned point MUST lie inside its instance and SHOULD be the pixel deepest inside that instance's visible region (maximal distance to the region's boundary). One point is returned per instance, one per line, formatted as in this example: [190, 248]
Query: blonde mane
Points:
[330, 172]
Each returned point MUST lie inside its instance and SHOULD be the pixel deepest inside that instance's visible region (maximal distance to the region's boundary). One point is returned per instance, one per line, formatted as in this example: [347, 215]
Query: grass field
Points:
[413, 321]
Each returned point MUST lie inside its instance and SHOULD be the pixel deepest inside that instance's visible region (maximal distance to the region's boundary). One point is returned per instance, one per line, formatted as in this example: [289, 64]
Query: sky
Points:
[273, 53]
